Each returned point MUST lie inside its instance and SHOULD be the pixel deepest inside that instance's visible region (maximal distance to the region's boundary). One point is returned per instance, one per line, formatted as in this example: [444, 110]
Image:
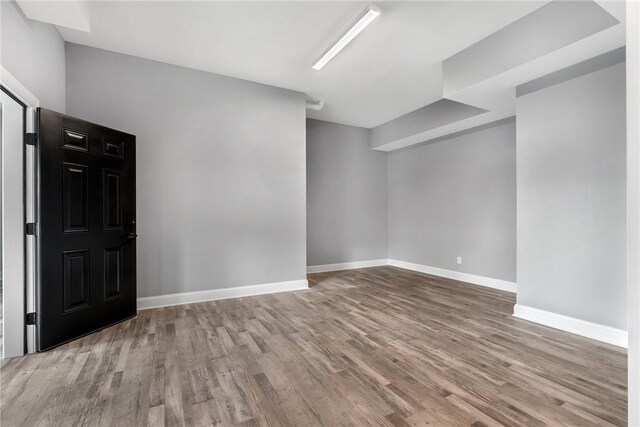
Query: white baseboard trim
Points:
[488, 282]
[217, 294]
[587, 329]
[346, 265]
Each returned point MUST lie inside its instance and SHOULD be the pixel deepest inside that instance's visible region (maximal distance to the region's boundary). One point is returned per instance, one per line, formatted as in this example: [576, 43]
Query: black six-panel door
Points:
[86, 227]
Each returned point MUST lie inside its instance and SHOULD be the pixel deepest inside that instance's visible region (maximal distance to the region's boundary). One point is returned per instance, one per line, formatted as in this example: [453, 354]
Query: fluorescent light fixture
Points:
[367, 18]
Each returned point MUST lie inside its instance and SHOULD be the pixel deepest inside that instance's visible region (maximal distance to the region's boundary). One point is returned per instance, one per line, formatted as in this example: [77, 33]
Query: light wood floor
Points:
[378, 346]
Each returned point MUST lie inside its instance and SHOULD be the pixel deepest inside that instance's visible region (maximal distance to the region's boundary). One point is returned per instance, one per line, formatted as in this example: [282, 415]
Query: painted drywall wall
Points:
[457, 197]
[571, 198]
[221, 178]
[633, 210]
[33, 52]
[346, 195]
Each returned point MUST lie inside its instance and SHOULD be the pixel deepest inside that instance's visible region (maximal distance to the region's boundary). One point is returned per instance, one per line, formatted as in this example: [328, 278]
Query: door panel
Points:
[86, 229]
[74, 140]
[112, 272]
[75, 277]
[111, 200]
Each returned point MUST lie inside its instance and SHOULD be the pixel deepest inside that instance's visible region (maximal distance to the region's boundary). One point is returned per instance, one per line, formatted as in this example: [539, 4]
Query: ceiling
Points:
[393, 67]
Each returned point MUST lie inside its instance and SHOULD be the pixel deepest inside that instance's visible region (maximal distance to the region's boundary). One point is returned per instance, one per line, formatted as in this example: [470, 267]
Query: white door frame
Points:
[633, 209]
[27, 257]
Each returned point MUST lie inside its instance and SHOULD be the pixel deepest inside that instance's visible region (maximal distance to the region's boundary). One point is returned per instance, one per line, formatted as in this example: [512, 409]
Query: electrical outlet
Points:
[459, 260]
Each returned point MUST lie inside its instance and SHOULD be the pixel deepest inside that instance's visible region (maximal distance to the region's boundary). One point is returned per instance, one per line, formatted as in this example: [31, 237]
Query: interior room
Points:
[331, 213]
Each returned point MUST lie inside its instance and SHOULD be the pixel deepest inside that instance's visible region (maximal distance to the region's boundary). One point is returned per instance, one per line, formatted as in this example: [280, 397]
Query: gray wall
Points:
[33, 52]
[457, 197]
[346, 195]
[571, 198]
[220, 169]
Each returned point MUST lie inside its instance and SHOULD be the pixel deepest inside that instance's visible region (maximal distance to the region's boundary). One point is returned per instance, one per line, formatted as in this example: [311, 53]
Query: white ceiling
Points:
[391, 68]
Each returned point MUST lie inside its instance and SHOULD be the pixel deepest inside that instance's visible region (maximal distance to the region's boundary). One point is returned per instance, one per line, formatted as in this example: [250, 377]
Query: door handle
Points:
[132, 236]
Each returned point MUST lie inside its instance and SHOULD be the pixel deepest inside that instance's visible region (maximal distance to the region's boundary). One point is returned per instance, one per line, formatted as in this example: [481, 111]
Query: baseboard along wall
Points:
[218, 294]
[346, 265]
[596, 331]
[489, 282]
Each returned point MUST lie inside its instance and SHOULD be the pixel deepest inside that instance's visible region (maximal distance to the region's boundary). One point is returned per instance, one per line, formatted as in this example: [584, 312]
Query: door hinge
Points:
[32, 139]
[32, 318]
[32, 229]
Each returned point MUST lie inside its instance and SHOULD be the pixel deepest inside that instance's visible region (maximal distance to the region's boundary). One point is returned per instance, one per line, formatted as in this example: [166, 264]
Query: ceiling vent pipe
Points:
[315, 105]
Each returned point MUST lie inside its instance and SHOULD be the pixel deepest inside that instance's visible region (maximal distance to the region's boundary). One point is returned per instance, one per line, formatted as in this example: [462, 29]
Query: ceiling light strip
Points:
[372, 13]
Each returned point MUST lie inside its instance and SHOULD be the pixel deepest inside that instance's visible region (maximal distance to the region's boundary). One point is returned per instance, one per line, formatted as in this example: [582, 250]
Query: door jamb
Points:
[29, 259]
